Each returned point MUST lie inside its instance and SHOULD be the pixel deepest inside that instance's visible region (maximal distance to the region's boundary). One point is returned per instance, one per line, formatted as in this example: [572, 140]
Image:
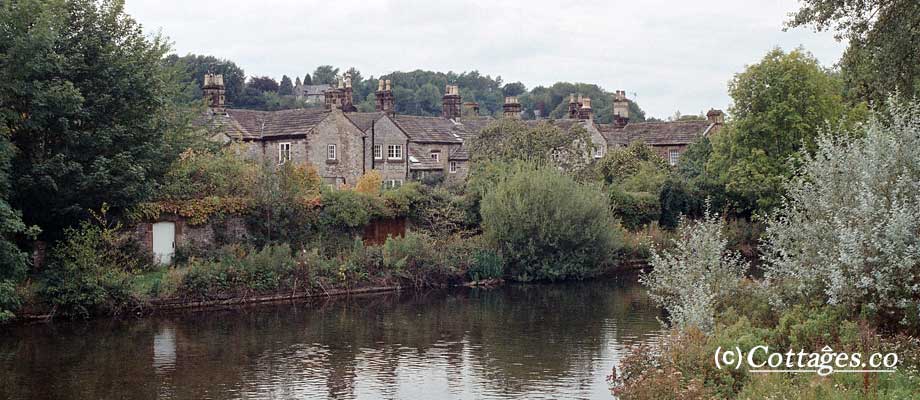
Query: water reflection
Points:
[535, 341]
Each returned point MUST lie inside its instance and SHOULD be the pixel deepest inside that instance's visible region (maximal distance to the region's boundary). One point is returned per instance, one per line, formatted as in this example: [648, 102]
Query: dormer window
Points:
[436, 156]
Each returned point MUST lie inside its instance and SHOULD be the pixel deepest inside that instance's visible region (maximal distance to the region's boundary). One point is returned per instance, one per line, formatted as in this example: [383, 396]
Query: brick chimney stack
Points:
[214, 90]
[620, 108]
[471, 108]
[574, 106]
[715, 116]
[585, 111]
[385, 100]
[511, 108]
[450, 103]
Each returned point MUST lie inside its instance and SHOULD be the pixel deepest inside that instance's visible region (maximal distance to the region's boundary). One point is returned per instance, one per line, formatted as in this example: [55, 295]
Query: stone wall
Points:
[348, 166]
[387, 133]
[211, 234]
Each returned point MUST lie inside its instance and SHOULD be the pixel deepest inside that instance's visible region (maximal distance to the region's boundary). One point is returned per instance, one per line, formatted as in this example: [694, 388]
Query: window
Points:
[436, 156]
[392, 183]
[284, 153]
[556, 154]
[378, 151]
[394, 152]
[454, 167]
[330, 152]
[673, 155]
[597, 152]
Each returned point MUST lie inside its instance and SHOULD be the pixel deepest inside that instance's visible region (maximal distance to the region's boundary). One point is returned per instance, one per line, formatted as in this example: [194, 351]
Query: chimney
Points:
[450, 103]
[573, 106]
[348, 95]
[511, 108]
[585, 111]
[214, 90]
[385, 100]
[620, 108]
[715, 116]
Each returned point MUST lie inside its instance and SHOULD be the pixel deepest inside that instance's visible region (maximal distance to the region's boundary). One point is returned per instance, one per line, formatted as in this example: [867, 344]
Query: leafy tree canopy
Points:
[87, 129]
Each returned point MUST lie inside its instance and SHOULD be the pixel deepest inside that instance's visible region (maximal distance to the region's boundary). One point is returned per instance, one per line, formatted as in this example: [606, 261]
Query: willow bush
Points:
[546, 226]
[848, 232]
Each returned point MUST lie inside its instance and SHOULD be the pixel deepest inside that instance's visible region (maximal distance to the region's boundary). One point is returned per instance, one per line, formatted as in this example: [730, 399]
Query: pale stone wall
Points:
[348, 166]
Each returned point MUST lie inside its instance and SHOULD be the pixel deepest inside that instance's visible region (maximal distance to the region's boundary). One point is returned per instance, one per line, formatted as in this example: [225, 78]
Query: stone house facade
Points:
[342, 144]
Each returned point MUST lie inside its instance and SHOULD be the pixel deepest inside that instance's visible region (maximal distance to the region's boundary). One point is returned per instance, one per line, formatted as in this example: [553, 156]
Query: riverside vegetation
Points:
[840, 260]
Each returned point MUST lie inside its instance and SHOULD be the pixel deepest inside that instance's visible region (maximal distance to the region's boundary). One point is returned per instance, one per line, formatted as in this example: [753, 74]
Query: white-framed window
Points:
[392, 183]
[597, 152]
[436, 156]
[284, 152]
[454, 167]
[394, 152]
[673, 155]
[330, 152]
[378, 151]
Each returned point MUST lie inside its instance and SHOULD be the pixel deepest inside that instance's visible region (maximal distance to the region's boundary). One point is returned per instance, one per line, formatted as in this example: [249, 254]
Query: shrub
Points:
[849, 229]
[689, 279]
[486, 264]
[369, 183]
[239, 269]
[634, 209]
[547, 226]
[84, 276]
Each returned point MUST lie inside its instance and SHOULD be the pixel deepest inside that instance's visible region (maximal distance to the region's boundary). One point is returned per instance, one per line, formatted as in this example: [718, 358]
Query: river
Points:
[546, 341]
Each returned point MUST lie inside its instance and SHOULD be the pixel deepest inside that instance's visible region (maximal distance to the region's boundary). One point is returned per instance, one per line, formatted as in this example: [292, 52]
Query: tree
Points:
[307, 80]
[514, 89]
[429, 100]
[297, 82]
[884, 43]
[848, 231]
[263, 84]
[546, 226]
[286, 88]
[194, 67]
[14, 262]
[87, 128]
[779, 106]
[325, 75]
[510, 140]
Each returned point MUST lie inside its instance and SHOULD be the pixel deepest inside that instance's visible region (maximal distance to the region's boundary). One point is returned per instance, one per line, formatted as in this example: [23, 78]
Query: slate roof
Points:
[314, 90]
[363, 120]
[222, 122]
[419, 161]
[461, 153]
[266, 124]
[474, 125]
[656, 133]
[429, 129]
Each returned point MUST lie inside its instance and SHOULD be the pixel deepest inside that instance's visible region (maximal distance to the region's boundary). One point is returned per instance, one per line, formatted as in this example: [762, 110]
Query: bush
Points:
[85, 275]
[849, 229]
[239, 269]
[634, 209]
[547, 226]
[689, 279]
[486, 264]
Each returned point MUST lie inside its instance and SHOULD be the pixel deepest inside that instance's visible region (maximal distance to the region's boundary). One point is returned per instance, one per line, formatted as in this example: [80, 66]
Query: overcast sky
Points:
[668, 55]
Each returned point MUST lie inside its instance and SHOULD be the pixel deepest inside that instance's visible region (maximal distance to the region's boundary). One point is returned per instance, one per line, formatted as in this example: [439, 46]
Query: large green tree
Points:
[779, 106]
[85, 100]
[511, 140]
[193, 68]
[286, 87]
[884, 43]
[324, 74]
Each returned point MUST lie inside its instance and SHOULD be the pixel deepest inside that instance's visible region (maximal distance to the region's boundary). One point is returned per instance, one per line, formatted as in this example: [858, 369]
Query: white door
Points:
[164, 241]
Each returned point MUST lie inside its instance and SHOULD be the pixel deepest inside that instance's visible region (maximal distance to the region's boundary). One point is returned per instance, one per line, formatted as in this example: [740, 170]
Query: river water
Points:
[552, 341]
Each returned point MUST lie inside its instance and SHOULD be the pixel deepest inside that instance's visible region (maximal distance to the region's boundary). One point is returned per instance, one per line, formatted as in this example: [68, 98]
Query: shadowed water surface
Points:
[520, 341]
